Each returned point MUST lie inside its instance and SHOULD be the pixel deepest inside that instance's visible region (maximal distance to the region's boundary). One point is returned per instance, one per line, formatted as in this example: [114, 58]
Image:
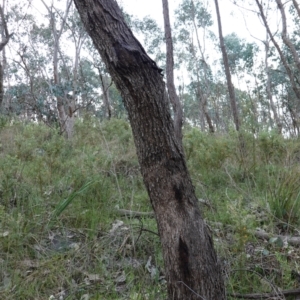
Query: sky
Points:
[232, 17]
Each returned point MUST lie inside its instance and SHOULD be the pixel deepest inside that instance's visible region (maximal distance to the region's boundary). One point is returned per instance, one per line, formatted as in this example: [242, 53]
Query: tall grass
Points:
[59, 200]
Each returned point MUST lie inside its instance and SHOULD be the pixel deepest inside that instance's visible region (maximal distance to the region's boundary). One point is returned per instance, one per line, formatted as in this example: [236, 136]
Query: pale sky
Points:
[232, 18]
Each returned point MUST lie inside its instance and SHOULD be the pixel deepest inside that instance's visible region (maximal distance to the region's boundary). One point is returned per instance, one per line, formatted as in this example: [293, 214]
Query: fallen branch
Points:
[292, 240]
[134, 214]
[293, 292]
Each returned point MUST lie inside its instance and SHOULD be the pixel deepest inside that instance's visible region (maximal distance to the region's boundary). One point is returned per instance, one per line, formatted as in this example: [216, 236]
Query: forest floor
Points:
[64, 233]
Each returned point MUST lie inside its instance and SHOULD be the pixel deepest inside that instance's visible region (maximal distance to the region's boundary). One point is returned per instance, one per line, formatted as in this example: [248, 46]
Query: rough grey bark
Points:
[227, 72]
[173, 97]
[191, 267]
[281, 54]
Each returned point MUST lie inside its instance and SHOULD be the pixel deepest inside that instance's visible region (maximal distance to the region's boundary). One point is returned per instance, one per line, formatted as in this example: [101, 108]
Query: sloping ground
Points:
[62, 235]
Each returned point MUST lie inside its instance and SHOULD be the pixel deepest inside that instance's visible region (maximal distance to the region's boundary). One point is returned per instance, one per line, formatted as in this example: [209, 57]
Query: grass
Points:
[61, 236]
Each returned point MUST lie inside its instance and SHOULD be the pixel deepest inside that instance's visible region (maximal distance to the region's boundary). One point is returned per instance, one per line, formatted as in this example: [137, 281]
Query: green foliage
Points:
[283, 196]
[206, 151]
[189, 11]
[272, 146]
[240, 54]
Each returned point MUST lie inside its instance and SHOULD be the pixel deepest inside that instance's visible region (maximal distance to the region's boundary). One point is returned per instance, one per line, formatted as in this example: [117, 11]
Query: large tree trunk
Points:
[174, 99]
[191, 266]
[227, 72]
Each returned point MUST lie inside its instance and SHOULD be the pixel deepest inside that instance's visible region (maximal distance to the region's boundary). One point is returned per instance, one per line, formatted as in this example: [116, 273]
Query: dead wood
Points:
[134, 214]
[292, 240]
[292, 292]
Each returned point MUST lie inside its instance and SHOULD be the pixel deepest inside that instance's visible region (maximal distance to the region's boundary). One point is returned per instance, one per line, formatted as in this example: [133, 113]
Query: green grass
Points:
[59, 201]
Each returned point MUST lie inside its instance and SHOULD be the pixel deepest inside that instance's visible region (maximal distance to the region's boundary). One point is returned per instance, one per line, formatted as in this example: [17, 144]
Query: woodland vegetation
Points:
[76, 220]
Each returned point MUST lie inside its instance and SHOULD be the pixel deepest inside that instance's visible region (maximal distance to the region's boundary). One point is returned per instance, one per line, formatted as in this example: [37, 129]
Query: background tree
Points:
[5, 39]
[231, 92]
[173, 97]
[190, 16]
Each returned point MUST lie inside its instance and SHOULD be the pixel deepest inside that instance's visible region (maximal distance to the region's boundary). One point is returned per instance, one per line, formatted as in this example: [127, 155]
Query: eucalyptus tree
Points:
[63, 100]
[77, 36]
[27, 93]
[231, 91]
[240, 54]
[106, 103]
[268, 85]
[191, 17]
[283, 58]
[287, 41]
[151, 36]
[5, 35]
[289, 60]
[173, 97]
[191, 266]
[241, 59]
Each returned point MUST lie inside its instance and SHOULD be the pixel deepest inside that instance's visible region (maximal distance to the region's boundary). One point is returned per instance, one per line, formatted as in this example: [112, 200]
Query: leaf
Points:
[277, 241]
[66, 202]
[265, 252]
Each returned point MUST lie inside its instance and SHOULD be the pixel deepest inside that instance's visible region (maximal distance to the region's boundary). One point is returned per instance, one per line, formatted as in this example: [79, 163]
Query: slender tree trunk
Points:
[174, 99]
[285, 37]
[281, 54]
[269, 87]
[65, 118]
[203, 105]
[191, 266]
[204, 98]
[105, 91]
[297, 7]
[5, 36]
[227, 72]
[1, 84]
[294, 120]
